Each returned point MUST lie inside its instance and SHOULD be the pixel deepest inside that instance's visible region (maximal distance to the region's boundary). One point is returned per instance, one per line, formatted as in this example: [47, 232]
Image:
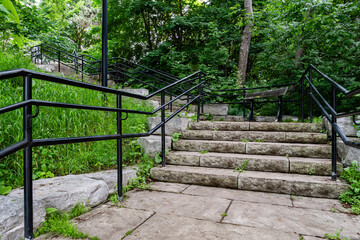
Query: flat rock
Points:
[290, 127]
[177, 204]
[196, 175]
[254, 162]
[289, 149]
[175, 125]
[152, 144]
[110, 177]
[65, 192]
[248, 196]
[295, 184]
[169, 227]
[12, 217]
[283, 218]
[317, 203]
[169, 187]
[110, 222]
[211, 146]
[312, 166]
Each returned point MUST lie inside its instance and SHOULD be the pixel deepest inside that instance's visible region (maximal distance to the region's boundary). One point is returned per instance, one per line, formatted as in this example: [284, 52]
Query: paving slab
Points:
[312, 222]
[111, 222]
[169, 227]
[199, 207]
[248, 196]
[317, 203]
[169, 187]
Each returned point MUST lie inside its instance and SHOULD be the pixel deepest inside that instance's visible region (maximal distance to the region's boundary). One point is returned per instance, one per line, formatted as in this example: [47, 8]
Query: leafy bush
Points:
[352, 195]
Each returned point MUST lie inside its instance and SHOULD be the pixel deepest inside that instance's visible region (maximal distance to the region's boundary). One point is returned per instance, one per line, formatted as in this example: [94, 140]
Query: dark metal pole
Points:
[333, 136]
[59, 59]
[244, 105]
[82, 68]
[28, 192]
[119, 149]
[41, 54]
[311, 100]
[302, 100]
[104, 58]
[199, 99]
[163, 128]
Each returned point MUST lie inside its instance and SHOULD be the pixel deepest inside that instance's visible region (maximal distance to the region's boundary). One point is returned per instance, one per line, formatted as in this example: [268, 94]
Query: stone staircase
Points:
[288, 158]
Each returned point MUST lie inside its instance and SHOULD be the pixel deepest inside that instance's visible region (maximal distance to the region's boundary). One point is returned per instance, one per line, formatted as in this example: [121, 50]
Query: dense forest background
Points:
[183, 36]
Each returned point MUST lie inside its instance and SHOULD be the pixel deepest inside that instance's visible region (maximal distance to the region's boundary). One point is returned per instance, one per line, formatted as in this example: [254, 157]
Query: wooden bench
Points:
[278, 92]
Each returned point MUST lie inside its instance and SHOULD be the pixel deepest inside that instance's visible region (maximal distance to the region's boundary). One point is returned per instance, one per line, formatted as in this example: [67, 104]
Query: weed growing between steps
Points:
[242, 167]
[352, 195]
[61, 160]
[59, 223]
[336, 236]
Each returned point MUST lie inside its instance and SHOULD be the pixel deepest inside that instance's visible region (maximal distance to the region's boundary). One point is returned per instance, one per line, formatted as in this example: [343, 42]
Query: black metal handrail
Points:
[332, 107]
[28, 142]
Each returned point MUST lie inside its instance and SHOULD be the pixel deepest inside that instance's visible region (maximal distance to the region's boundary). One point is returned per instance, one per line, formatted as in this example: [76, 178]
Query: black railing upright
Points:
[195, 80]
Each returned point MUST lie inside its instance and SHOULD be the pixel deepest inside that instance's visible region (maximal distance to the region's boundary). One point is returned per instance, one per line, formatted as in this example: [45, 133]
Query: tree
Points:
[245, 42]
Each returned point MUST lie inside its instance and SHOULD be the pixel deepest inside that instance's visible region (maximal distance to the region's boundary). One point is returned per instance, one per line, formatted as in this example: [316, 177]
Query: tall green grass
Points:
[52, 122]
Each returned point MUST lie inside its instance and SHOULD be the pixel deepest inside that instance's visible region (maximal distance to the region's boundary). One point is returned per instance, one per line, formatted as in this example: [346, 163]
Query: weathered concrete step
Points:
[295, 184]
[289, 137]
[257, 148]
[311, 166]
[256, 126]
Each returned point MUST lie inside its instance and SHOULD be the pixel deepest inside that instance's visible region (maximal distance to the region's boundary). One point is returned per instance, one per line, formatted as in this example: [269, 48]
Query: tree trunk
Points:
[245, 42]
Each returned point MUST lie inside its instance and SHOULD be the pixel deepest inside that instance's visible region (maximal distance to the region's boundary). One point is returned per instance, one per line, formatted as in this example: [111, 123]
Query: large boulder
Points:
[346, 125]
[110, 177]
[348, 154]
[213, 109]
[12, 217]
[152, 144]
[65, 192]
[175, 125]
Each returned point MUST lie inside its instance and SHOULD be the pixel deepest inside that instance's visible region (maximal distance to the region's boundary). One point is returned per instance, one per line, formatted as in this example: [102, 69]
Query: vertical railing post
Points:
[199, 99]
[41, 54]
[244, 104]
[188, 95]
[163, 128]
[82, 68]
[27, 131]
[333, 136]
[59, 59]
[171, 99]
[302, 100]
[310, 95]
[119, 148]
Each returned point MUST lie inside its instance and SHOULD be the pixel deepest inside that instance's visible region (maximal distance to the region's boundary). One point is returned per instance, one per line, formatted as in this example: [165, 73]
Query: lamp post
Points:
[104, 58]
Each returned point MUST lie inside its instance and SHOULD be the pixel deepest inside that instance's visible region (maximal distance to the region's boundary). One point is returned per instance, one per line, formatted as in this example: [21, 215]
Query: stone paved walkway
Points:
[180, 211]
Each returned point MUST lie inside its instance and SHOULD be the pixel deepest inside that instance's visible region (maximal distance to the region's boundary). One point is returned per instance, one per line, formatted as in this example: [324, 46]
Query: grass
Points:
[352, 195]
[242, 167]
[60, 160]
[59, 222]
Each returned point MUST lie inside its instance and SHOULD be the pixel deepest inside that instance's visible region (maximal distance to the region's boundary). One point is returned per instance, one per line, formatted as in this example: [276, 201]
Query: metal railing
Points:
[195, 80]
[305, 81]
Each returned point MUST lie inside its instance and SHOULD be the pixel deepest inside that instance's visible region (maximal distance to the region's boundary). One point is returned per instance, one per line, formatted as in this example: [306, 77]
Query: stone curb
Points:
[62, 193]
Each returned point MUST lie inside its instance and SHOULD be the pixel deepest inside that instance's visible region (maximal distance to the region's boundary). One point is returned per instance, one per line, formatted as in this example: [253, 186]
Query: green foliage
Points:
[204, 151]
[59, 222]
[352, 195]
[56, 122]
[242, 167]
[7, 8]
[176, 137]
[336, 236]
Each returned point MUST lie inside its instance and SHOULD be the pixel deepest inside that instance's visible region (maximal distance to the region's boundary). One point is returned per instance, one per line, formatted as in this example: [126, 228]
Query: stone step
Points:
[295, 184]
[258, 148]
[256, 126]
[254, 136]
[310, 166]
